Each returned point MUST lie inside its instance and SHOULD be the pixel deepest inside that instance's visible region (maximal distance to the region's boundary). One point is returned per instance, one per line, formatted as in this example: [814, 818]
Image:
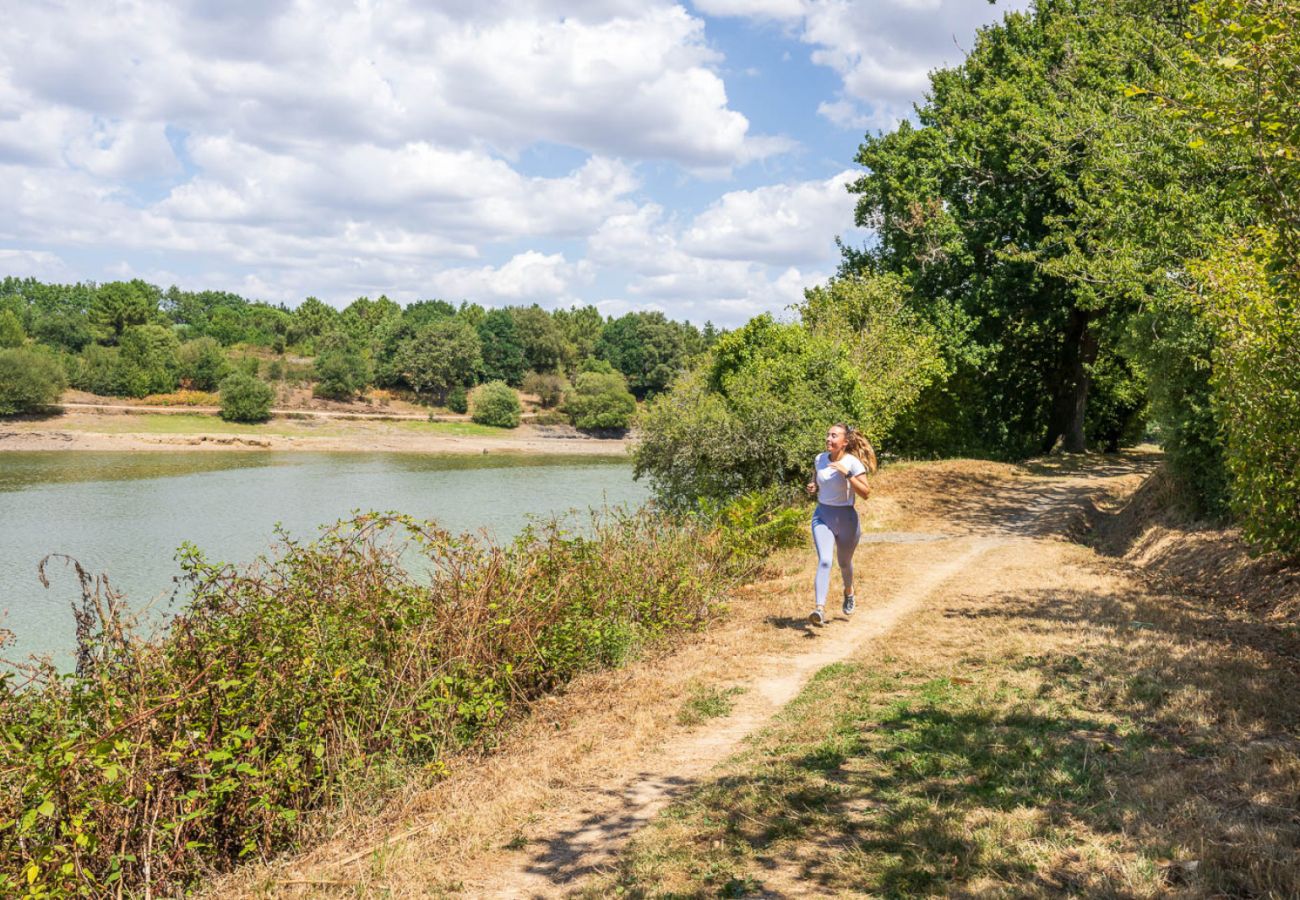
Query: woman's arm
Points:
[861, 486]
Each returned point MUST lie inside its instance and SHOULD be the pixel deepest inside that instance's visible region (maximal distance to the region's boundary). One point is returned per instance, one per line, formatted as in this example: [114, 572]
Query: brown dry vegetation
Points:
[1042, 718]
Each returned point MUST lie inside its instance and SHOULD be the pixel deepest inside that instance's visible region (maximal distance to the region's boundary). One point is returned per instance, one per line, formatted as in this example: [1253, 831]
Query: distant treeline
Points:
[131, 338]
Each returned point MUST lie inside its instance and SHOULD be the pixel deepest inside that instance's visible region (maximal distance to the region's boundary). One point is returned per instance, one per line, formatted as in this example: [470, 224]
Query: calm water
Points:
[126, 513]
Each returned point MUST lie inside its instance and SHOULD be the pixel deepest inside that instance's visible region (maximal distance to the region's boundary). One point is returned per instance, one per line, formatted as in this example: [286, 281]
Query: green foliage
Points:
[752, 415]
[897, 353]
[387, 642]
[99, 370]
[203, 364]
[648, 348]
[150, 360]
[495, 404]
[1238, 89]
[1256, 390]
[341, 372]
[503, 354]
[311, 321]
[30, 381]
[245, 398]
[443, 355]
[1014, 215]
[600, 401]
[544, 346]
[548, 387]
[11, 329]
[458, 400]
[118, 305]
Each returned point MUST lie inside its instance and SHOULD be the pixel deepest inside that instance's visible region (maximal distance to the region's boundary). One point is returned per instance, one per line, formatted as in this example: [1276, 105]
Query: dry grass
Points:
[1057, 729]
[1049, 725]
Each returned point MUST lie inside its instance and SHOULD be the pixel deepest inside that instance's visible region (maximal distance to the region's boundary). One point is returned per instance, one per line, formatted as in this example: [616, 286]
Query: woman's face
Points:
[835, 440]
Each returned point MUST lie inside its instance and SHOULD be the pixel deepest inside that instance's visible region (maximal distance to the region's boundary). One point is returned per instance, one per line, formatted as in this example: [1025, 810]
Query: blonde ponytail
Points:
[856, 442]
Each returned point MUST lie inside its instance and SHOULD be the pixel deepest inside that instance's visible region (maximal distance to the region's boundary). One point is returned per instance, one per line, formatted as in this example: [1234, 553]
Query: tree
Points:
[648, 348]
[580, 326]
[150, 355]
[311, 320]
[751, 415]
[998, 209]
[341, 372]
[118, 305]
[503, 354]
[600, 401]
[29, 381]
[441, 356]
[544, 346]
[203, 364]
[549, 388]
[495, 403]
[245, 398]
[897, 353]
[11, 329]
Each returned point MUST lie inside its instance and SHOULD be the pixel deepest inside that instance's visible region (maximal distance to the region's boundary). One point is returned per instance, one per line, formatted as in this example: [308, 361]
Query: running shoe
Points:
[849, 604]
[817, 616]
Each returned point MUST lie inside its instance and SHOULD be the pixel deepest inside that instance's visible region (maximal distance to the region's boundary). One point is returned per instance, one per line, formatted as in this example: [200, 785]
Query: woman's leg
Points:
[846, 542]
[824, 541]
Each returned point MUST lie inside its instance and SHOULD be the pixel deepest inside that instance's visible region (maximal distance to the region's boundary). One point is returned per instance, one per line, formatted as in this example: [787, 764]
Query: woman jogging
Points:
[840, 477]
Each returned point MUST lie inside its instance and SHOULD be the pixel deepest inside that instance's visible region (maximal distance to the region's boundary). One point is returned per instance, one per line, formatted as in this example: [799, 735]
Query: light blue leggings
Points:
[834, 528]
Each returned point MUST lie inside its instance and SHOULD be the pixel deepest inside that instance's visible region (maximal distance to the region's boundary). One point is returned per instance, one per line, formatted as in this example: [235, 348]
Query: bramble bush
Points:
[244, 398]
[496, 404]
[387, 641]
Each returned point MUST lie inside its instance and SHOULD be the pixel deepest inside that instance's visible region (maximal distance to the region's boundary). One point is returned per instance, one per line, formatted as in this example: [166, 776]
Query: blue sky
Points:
[634, 155]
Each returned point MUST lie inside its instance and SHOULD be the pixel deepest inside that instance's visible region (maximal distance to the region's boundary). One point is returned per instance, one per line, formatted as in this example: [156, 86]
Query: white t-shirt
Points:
[833, 489]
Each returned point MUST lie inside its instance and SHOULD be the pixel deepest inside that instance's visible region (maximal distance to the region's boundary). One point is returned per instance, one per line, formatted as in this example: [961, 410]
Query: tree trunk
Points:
[1070, 400]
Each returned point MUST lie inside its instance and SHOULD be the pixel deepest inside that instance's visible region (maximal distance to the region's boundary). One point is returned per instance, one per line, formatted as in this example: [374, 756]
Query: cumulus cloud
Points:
[883, 50]
[527, 277]
[749, 252]
[611, 78]
[780, 224]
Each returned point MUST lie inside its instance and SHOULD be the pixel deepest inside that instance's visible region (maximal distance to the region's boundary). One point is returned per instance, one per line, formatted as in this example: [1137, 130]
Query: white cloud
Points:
[883, 50]
[526, 277]
[751, 252]
[613, 79]
[778, 224]
[38, 264]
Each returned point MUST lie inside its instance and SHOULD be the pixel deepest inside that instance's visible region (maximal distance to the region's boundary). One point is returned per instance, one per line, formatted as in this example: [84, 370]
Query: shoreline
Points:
[78, 432]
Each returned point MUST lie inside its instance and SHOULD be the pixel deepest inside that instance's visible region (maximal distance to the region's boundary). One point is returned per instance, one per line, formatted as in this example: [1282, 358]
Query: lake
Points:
[125, 514]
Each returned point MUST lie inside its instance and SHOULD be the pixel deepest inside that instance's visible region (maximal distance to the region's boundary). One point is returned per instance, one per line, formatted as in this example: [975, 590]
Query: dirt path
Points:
[590, 840]
[587, 770]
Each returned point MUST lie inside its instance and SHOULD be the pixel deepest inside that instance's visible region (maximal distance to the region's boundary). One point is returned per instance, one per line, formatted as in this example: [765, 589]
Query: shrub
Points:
[600, 401]
[386, 642]
[340, 374]
[149, 359]
[29, 381]
[1256, 391]
[99, 370]
[548, 387]
[203, 364]
[495, 403]
[458, 400]
[245, 399]
[11, 329]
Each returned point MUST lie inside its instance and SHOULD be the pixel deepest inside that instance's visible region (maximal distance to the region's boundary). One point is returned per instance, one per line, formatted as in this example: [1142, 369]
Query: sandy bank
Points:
[91, 432]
